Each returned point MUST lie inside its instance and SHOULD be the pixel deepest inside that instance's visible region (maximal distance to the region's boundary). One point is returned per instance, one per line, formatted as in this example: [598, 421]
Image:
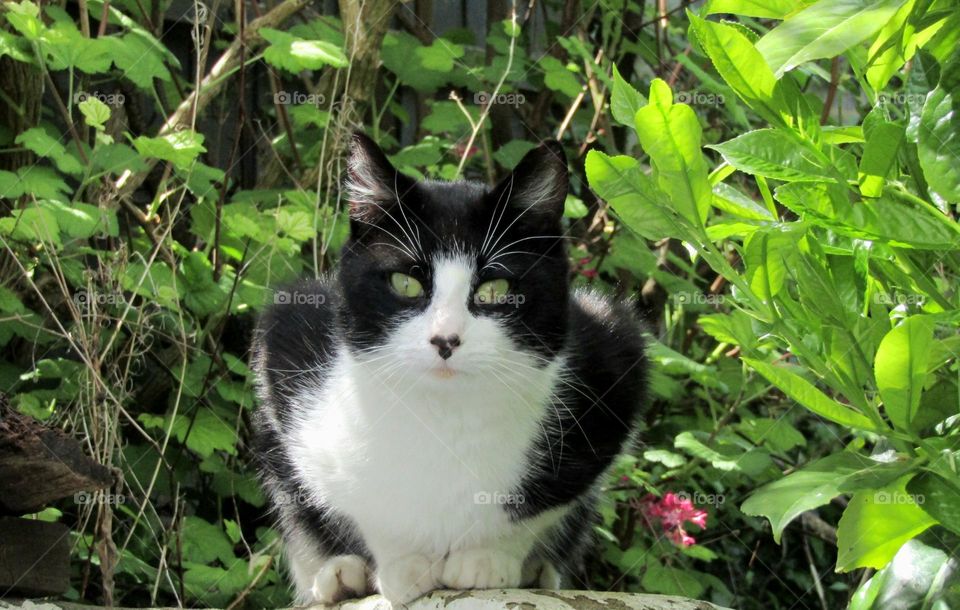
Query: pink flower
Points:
[672, 511]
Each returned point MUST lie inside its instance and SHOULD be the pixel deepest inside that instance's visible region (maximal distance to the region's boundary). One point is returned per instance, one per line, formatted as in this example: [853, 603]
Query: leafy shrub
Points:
[778, 192]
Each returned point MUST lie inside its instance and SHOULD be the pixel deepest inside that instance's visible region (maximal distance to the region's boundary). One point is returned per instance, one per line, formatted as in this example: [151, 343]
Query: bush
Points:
[777, 189]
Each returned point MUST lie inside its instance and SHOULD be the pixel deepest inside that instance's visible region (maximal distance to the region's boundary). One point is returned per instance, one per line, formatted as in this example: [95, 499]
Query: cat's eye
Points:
[406, 286]
[492, 292]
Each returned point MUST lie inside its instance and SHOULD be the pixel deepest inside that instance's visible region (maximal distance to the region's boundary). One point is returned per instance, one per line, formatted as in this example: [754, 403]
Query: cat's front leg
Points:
[331, 579]
[482, 568]
[406, 578]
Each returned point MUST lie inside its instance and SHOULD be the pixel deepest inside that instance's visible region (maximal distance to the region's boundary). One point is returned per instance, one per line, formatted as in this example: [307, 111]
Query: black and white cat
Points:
[442, 412]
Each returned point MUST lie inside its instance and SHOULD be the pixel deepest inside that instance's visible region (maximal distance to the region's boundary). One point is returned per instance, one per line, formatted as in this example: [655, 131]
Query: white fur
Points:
[418, 451]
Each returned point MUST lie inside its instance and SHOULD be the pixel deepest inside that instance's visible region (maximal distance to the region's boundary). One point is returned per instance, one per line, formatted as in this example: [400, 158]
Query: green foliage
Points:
[848, 224]
[778, 191]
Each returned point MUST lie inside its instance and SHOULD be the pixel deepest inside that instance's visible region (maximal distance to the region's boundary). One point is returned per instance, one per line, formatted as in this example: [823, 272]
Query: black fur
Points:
[599, 340]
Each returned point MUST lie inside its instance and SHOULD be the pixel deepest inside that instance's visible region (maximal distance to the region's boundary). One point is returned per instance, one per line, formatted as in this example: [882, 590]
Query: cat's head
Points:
[455, 279]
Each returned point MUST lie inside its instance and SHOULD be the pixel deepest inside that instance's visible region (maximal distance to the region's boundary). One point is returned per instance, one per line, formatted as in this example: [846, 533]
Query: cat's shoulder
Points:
[599, 317]
[606, 344]
[308, 305]
[299, 328]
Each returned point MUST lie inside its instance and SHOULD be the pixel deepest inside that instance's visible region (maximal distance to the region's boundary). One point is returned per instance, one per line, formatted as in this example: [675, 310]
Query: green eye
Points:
[406, 286]
[493, 292]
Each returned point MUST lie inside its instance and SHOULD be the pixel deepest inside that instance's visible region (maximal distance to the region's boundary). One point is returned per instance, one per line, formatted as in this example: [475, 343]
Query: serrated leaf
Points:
[180, 148]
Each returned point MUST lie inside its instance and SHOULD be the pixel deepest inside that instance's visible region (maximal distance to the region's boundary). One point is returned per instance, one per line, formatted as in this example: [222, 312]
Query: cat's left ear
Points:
[537, 187]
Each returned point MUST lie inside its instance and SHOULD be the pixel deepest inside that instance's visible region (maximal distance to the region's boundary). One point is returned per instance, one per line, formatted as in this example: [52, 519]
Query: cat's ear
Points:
[372, 185]
[537, 187]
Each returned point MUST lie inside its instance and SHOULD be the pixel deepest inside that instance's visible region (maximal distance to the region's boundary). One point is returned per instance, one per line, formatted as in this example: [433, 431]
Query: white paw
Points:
[481, 569]
[340, 577]
[549, 577]
[403, 580]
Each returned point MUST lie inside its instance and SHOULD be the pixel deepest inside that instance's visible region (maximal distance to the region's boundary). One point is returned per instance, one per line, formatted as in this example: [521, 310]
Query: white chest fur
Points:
[422, 465]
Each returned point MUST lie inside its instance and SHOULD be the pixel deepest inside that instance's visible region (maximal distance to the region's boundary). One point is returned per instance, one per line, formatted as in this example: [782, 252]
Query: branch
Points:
[212, 83]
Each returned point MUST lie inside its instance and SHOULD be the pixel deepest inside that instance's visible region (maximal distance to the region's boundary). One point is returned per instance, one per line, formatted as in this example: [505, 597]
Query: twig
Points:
[253, 583]
[832, 91]
[211, 84]
[493, 95]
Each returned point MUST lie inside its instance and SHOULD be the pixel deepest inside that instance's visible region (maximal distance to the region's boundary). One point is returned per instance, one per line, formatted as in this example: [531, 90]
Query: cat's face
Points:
[454, 280]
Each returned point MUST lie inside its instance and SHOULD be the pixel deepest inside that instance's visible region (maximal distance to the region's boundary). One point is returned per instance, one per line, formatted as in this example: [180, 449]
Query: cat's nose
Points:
[445, 345]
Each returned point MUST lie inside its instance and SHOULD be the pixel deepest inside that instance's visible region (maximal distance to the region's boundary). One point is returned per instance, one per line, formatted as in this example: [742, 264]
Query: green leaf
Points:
[624, 100]
[201, 294]
[209, 433]
[296, 225]
[82, 220]
[886, 219]
[816, 484]
[824, 29]
[875, 524]
[879, 157]
[805, 393]
[765, 256]
[918, 574]
[665, 457]
[156, 282]
[938, 497]
[66, 47]
[768, 9]
[440, 55]
[938, 137]
[295, 54]
[139, 57]
[179, 147]
[740, 64]
[670, 581]
[510, 154]
[32, 224]
[900, 368]
[44, 145]
[638, 202]
[771, 153]
[732, 201]
[670, 134]
[94, 112]
[558, 77]
[205, 542]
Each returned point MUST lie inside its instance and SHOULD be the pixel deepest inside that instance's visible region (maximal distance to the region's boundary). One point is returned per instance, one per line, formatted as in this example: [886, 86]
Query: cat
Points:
[442, 412]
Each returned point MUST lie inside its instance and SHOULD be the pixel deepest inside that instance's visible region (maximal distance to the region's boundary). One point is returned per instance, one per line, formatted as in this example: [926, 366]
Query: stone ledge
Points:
[491, 599]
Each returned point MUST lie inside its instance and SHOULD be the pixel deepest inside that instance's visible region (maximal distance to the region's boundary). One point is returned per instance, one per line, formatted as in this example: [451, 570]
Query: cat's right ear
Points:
[372, 184]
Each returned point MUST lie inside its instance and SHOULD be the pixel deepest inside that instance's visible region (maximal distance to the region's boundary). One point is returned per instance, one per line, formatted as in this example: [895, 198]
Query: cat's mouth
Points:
[443, 371]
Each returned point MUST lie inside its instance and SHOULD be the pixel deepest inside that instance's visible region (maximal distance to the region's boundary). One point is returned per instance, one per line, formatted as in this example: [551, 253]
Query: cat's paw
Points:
[403, 580]
[481, 569]
[340, 577]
